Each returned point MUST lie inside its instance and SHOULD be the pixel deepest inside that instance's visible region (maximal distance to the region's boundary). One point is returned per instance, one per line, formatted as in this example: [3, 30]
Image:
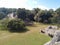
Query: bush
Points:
[16, 26]
[3, 24]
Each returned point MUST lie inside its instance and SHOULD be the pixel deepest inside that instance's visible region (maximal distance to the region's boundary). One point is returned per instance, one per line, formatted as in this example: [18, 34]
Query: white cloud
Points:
[18, 3]
[13, 3]
[21, 4]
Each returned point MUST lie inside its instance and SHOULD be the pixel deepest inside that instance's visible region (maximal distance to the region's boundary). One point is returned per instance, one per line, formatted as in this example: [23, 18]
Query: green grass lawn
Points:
[31, 37]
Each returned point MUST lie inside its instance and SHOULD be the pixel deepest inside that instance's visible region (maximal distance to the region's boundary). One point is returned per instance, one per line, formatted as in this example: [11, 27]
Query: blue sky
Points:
[49, 3]
[30, 4]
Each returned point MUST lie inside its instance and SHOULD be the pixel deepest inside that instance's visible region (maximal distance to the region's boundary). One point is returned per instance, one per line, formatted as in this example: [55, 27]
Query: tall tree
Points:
[21, 13]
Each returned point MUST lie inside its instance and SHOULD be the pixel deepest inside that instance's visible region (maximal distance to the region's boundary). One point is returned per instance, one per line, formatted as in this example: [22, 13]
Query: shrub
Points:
[16, 26]
[3, 24]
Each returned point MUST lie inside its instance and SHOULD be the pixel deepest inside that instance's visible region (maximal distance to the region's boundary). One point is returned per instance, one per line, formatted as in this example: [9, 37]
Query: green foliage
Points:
[36, 10]
[43, 16]
[3, 24]
[16, 25]
[58, 11]
[5, 11]
[39, 15]
[21, 13]
[2, 15]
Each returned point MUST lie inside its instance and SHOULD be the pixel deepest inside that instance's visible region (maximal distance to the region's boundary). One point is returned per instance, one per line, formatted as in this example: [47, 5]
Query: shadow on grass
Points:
[33, 25]
[18, 31]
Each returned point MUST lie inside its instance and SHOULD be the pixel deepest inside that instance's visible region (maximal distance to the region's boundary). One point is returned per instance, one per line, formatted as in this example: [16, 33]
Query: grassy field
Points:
[31, 37]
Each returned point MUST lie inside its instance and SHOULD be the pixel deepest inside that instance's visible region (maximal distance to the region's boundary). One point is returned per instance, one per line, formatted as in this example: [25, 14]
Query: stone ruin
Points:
[53, 32]
[12, 16]
[55, 40]
[50, 30]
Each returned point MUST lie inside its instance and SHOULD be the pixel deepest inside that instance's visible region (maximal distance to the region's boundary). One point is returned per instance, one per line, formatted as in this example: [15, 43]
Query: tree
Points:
[21, 13]
[43, 16]
[57, 16]
[58, 11]
[37, 15]
[2, 15]
[54, 18]
[31, 17]
[16, 25]
[36, 10]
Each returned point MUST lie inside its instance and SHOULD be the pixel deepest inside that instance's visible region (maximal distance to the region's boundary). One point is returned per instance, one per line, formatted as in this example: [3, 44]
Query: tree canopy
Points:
[39, 15]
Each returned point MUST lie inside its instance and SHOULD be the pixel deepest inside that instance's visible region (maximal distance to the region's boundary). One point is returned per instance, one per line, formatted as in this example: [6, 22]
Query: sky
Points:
[30, 4]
